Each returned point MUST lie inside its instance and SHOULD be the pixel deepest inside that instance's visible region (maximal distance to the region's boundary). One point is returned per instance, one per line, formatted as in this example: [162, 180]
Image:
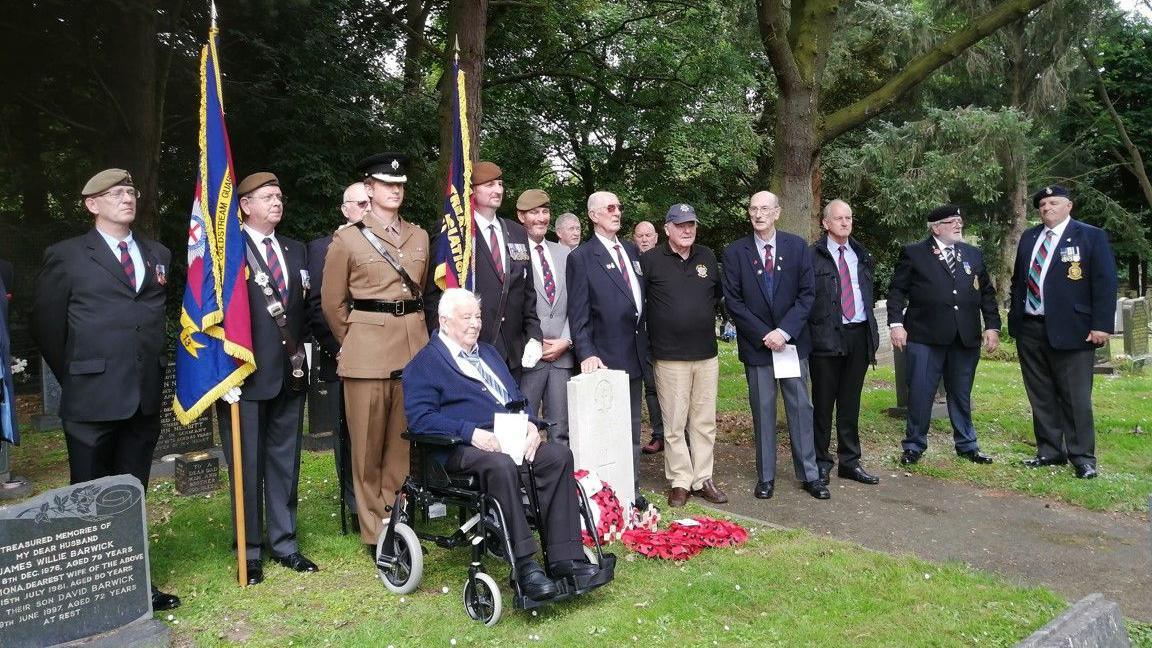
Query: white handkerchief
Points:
[786, 363]
[511, 431]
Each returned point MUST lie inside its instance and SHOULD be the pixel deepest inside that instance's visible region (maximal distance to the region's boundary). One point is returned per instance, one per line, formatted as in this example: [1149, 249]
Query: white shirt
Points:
[539, 267]
[258, 239]
[133, 252]
[633, 280]
[485, 226]
[853, 263]
[1057, 232]
[465, 365]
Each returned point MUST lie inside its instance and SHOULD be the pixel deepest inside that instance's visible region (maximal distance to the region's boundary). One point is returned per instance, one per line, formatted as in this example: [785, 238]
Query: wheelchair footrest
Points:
[581, 584]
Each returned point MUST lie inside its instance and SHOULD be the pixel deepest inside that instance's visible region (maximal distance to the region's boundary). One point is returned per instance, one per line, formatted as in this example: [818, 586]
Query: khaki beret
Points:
[532, 199]
[105, 180]
[485, 171]
[255, 181]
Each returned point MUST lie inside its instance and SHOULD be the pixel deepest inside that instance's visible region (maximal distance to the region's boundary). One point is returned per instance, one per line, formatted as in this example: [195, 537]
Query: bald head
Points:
[644, 236]
[604, 211]
[764, 198]
[763, 211]
[355, 203]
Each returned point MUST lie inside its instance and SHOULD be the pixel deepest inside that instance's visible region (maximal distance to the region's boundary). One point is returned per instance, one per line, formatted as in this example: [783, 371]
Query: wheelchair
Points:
[428, 492]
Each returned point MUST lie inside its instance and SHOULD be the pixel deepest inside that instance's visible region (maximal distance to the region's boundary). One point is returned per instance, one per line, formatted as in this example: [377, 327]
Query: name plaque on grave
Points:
[196, 473]
[174, 437]
[1136, 329]
[74, 563]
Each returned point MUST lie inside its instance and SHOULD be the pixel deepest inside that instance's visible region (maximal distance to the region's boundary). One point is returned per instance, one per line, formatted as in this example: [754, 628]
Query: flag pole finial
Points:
[212, 7]
[456, 48]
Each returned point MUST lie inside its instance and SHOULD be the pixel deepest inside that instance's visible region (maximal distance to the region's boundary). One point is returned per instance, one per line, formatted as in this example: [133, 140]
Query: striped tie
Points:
[546, 270]
[273, 261]
[950, 259]
[847, 299]
[490, 381]
[497, 258]
[126, 263]
[1034, 271]
[623, 268]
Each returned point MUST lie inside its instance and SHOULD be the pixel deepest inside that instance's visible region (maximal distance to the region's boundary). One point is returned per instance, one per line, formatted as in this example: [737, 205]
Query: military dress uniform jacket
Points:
[102, 339]
[373, 345]
[942, 306]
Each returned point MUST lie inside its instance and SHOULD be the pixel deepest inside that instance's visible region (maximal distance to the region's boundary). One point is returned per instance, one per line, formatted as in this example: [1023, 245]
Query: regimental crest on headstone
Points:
[74, 564]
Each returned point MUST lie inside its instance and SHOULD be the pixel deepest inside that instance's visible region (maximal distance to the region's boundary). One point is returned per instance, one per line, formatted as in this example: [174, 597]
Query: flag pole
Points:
[238, 498]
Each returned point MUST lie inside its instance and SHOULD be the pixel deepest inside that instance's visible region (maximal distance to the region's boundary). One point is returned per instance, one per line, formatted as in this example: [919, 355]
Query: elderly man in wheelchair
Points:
[453, 388]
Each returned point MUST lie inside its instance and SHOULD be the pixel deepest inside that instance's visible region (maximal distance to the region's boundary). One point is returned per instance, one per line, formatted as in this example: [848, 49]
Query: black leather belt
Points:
[397, 308]
[853, 325]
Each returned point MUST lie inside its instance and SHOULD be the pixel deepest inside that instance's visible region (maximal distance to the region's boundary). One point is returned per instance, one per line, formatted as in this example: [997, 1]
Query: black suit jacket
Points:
[272, 365]
[103, 340]
[602, 317]
[325, 345]
[942, 306]
[508, 323]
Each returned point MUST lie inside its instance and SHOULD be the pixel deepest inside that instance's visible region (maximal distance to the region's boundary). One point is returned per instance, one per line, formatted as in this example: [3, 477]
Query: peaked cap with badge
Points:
[385, 167]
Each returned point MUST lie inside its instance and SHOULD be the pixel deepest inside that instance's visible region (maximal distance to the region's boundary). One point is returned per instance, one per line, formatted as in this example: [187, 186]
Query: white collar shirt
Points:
[633, 277]
[133, 252]
[258, 239]
[1057, 233]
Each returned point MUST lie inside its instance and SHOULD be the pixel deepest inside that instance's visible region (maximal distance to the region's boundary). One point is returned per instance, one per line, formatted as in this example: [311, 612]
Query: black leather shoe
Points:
[563, 568]
[764, 489]
[1085, 471]
[296, 562]
[817, 489]
[535, 584]
[1040, 462]
[975, 456]
[858, 474]
[910, 457]
[164, 601]
[255, 572]
[825, 474]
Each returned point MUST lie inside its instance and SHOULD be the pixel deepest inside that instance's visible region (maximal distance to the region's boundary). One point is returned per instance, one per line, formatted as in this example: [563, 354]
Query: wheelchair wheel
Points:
[404, 576]
[482, 599]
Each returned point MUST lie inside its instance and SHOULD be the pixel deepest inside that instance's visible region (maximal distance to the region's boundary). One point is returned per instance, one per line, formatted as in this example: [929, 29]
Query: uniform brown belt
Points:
[397, 308]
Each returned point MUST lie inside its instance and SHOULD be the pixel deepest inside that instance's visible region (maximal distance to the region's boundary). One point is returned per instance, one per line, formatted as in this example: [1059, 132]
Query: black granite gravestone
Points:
[196, 473]
[74, 564]
[174, 437]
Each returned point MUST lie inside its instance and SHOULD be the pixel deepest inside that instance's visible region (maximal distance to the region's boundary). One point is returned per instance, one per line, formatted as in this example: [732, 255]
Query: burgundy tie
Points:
[126, 263]
[623, 268]
[273, 261]
[847, 299]
[549, 280]
[494, 245]
[769, 262]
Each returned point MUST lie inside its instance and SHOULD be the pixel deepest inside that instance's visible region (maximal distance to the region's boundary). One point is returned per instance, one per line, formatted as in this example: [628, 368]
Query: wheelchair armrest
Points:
[431, 439]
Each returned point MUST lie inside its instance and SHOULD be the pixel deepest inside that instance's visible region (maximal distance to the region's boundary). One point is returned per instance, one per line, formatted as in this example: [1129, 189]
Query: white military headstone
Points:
[600, 429]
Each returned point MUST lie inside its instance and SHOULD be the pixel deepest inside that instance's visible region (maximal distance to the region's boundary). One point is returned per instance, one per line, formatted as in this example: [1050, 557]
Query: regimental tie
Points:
[494, 245]
[126, 263]
[494, 387]
[847, 299]
[950, 259]
[546, 270]
[623, 268]
[769, 268]
[273, 261]
[1035, 270]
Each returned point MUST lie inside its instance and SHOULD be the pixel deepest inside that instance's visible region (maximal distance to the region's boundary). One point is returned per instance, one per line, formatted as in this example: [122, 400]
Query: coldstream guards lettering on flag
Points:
[214, 352]
[452, 257]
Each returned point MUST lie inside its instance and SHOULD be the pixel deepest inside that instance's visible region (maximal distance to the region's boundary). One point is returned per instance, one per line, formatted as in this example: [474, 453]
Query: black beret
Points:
[1048, 192]
[943, 212]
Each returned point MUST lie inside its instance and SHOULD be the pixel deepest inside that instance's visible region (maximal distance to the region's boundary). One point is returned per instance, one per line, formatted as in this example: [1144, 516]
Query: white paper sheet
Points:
[511, 431]
[786, 363]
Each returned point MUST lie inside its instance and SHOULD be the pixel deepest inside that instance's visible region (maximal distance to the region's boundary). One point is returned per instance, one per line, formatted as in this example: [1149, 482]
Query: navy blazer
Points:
[439, 398]
[327, 347]
[1073, 306]
[940, 305]
[604, 320]
[755, 312]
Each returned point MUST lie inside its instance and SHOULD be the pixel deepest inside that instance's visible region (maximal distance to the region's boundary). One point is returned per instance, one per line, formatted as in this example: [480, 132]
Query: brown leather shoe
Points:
[677, 497]
[710, 493]
[653, 446]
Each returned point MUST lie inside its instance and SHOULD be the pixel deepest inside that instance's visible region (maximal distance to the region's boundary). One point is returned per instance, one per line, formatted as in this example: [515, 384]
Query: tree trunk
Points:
[467, 25]
[415, 15]
[796, 155]
[1011, 237]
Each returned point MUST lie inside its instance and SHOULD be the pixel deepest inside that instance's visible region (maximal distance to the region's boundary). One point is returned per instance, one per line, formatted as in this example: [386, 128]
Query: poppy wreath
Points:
[611, 514]
[682, 541]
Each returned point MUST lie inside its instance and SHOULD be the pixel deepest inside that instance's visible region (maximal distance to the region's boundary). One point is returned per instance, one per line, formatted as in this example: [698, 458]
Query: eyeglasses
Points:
[121, 193]
[761, 210]
[612, 209]
[362, 204]
[268, 198]
[950, 222]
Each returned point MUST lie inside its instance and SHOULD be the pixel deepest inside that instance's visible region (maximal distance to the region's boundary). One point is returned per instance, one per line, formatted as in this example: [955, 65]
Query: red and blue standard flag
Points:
[452, 257]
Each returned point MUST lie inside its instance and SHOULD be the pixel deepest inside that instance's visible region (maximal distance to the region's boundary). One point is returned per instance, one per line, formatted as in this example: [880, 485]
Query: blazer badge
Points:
[636, 268]
[1075, 272]
[701, 270]
[305, 279]
[161, 274]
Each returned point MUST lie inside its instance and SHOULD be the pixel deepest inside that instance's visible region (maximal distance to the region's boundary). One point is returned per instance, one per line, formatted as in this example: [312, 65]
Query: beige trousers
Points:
[375, 411]
[687, 391]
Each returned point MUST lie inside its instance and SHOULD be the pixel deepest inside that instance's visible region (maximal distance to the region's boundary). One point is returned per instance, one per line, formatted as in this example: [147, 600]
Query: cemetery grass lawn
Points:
[1123, 412]
[783, 588]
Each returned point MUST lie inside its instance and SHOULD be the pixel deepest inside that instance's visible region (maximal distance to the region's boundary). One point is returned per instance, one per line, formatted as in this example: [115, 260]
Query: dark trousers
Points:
[836, 383]
[762, 388]
[635, 389]
[1059, 387]
[927, 363]
[501, 478]
[655, 416]
[270, 449]
[102, 448]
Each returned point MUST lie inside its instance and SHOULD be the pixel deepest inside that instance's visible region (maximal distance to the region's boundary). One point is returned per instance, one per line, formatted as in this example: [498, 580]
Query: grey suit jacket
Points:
[554, 316]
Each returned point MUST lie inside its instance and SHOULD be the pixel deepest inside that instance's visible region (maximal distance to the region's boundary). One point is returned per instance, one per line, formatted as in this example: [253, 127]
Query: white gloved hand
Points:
[532, 352]
[231, 396]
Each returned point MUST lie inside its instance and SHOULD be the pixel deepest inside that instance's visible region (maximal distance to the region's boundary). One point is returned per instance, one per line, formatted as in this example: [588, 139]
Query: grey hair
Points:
[564, 218]
[454, 298]
[597, 198]
[836, 202]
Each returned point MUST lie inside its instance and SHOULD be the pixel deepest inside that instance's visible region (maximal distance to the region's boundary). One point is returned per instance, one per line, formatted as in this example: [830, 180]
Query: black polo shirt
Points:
[682, 297]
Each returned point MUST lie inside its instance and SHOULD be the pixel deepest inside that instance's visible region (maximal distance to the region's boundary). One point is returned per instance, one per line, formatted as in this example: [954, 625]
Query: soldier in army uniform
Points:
[371, 301]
